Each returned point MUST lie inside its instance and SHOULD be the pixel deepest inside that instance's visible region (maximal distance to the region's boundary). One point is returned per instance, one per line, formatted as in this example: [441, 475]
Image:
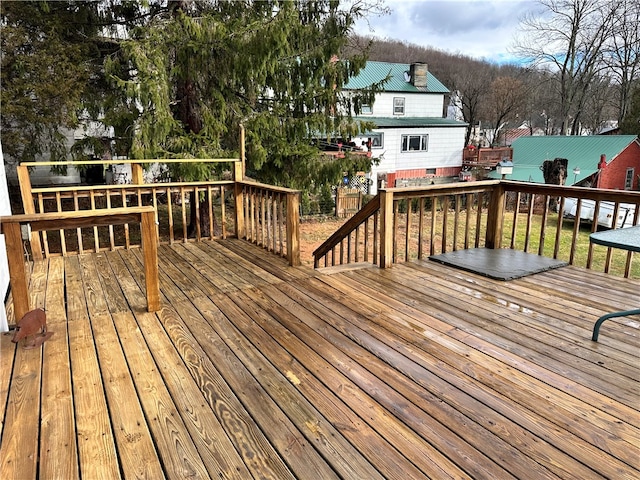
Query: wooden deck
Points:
[253, 369]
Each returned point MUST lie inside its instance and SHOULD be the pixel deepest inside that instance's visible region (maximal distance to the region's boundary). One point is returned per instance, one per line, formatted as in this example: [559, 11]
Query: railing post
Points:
[27, 205]
[150, 254]
[17, 274]
[386, 229]
[293, 229]
[239, 200]
[137, 174]
[495, 215]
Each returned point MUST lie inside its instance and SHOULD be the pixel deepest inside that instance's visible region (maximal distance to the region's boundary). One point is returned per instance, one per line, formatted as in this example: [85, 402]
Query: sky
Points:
[482, 29]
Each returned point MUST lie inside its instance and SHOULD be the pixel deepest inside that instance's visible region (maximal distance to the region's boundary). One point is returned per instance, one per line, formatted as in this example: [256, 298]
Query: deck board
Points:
[254, 369]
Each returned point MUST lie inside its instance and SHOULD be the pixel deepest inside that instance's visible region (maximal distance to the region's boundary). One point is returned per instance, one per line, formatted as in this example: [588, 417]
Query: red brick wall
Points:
[614, 174]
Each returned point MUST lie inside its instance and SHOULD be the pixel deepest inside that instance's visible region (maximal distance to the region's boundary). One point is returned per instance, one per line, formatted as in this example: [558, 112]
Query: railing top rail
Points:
[265, 186]
[579, 192]
[129, 161]
[56, 220]
[124, 186]
[443, 189]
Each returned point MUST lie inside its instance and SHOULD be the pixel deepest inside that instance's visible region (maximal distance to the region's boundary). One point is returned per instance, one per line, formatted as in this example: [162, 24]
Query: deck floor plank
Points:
[532, 399]
[255, 369]
[19, 453]
[174, 444]
[97, 452]
[138, 456]
[57, 414]
[338, 397]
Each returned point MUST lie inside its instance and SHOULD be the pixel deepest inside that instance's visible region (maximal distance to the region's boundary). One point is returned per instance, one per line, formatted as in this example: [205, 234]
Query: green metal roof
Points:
[410, 122]
[529, 153]
[374, 72]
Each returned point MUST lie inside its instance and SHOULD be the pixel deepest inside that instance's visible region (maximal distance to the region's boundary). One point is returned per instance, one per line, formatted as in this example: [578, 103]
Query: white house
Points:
[414, 141]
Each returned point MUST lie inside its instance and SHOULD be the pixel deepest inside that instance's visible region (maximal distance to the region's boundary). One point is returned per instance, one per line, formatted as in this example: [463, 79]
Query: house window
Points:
[628, 182]
[398, 105]
[377, 139]
[415, 143]
[365, 109]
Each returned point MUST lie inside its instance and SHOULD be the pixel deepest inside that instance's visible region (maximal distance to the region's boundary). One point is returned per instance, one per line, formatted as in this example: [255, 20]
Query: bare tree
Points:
[505, 103]
[570, 37]
[622, 55]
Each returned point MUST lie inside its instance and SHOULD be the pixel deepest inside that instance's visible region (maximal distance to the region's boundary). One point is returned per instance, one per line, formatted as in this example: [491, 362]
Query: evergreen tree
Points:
[200, 69]
[48, 65]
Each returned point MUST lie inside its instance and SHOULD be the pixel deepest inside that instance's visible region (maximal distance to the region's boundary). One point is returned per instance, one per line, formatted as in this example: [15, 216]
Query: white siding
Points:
[415, 105]
[445, 150]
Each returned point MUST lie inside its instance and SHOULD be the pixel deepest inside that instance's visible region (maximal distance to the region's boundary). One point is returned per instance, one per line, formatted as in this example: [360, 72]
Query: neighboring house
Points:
[599, 161]
[507, 137]
[414, 142]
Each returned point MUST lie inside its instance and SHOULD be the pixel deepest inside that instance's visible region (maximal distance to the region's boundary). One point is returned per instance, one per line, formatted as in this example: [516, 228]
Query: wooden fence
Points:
[412, 223]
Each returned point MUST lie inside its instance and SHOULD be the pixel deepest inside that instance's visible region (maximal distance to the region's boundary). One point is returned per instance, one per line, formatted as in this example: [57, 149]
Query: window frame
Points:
[628, 179]
[405, 142]
[366, 109]
[396, 108]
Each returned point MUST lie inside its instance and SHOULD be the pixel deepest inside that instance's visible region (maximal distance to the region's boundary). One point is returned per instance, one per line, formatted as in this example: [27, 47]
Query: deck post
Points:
[150, 255]
[27, 204]
[293, 228]
[386, 229]
[137, 174]
[495, 216]
[17, 274]
[238, 194]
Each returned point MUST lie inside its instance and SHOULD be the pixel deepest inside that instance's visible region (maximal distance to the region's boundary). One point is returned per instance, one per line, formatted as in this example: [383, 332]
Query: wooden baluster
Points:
[556, 247]
[184, 215]
[210, 205]
[480, 201]
[45, 238]
[594, 228]
[576, 231]
[127, 238]
[386, 229]
[445, 222]
[196, 207]
[456, 220]
[111, 238]
[420, 228]
[432, 233]
[514, 227]
[76, 206]
[543, 226]
[96, 237]
[527, 236]
[396, 218]
[63, 240]
[467, 221]
[223, 213]
[376, 236]
[170, 215]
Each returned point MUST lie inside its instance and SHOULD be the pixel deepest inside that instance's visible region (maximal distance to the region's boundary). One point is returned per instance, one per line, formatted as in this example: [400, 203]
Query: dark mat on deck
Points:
[499, 264]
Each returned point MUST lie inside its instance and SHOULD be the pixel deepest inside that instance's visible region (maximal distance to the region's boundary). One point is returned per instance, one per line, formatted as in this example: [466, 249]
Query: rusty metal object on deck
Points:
[33, 324]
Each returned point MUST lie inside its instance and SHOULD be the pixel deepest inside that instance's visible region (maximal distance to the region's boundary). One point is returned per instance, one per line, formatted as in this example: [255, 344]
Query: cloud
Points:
[478, 28]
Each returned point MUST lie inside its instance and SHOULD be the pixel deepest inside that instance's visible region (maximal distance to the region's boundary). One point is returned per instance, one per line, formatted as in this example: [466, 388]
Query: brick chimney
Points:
[418, 74]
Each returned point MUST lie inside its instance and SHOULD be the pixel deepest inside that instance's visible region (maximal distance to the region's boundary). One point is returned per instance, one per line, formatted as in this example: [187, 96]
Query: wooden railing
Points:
[272, 212]
[270, 218]
[10, 226]
[412, 223]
